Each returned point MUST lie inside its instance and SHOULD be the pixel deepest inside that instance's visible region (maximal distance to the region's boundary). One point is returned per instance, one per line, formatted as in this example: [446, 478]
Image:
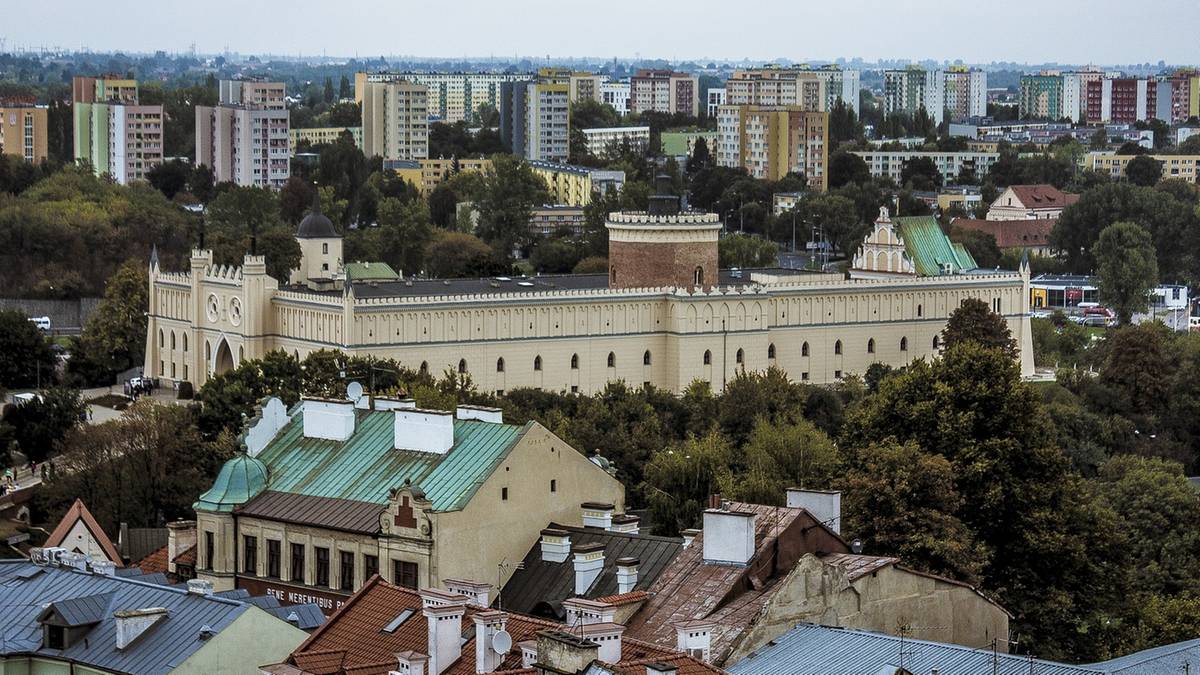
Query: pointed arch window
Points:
[537, 362]
[837, 347]
[612, 360]
[708, 357]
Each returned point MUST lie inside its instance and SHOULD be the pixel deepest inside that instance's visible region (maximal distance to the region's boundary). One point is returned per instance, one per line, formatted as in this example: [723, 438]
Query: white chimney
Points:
[481, 413]
[105, 568]
[660, 668]
[589, 562]
[625, 524]
[559, 651]
[587, 612]
[272, 416]
[728, 536]
[824, 505]
[597, 514]
[694, 638]
[181, 535]
[487, 626]
[332, 420]
[424, 430]
[689, 536]
[608, 637]
[444, 613]
[387, 403]
[528, 653]
[199, 587]
[74, 560]
[627, 574]
[477, 593]
[131, 623]
[556, 545]
[410, 663]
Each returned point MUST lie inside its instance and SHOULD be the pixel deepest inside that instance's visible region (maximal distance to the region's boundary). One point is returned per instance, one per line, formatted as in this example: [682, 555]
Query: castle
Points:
[664, 314]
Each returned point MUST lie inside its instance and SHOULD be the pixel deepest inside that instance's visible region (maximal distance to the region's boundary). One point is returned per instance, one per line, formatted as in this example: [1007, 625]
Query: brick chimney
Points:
[443, 612]
[589, 562]
[824, 505]
[627, 574]
[728, 537]
[556, 545]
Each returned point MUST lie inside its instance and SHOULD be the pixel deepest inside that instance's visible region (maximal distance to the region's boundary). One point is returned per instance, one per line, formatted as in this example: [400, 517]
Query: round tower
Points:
[662, 247]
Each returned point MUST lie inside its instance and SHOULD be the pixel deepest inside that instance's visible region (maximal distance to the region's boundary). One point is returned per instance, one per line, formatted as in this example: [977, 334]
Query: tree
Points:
[200, 183]
[458, 254]
[782, 454]
[920, 173]
[974, 321]
[1143, 170]
[328, 94]
[511, 190]
[701, 157]
[1136, 370]
[345, 91]
[680, 478]
[169, 178]
[295, 199]
[837, 217]
[981, 245]
[1190, 145]
[40, 424]
[281, 252]
[1099, 139]
[114, 338]
[846, 167]
[1126, 269]
[743, 250]
[25, 355]
[442, 205]
[591, 265]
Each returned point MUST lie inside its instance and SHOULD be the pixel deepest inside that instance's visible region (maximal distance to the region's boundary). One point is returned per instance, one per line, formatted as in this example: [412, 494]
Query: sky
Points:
[1024, 31]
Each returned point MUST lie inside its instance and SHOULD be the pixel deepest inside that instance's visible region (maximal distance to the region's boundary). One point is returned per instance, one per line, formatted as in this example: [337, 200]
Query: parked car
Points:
[42, 323]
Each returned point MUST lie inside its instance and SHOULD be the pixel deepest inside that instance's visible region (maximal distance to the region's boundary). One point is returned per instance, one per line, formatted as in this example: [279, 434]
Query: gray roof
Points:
[138, 542]
[809, 649]
[91, 599]
[542, 585]
[349, 515]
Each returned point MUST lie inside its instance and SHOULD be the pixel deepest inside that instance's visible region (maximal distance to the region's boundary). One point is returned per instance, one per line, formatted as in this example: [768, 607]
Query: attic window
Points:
[396, 622]
[56, 637]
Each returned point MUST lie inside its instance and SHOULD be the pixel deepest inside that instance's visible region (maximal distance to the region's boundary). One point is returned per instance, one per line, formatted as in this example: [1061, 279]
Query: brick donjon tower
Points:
[662, 247]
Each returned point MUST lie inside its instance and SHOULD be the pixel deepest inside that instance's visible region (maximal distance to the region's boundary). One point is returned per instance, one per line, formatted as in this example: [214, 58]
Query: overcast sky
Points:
[1034, 31]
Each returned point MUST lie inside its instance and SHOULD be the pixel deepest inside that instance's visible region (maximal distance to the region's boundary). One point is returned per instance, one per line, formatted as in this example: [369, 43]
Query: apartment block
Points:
[324, 136]
[1183, 167]
[427, 174]
[1177, 96]
[245, 138]
[586, 86]
[451, 97]
[395, 120]
[909, 90]
[600, 142]
[23, 132]
[1120, 100]
[664, 91]
[112, 132]
[1042, 96]
[965, 92]
[810, 88]
[616, 94]
[714, 98]
[890, 163]
[574, 185]
[535, 117]
[772, 141]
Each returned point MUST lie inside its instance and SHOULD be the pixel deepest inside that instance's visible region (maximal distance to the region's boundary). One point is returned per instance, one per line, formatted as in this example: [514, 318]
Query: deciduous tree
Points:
[1126, 269]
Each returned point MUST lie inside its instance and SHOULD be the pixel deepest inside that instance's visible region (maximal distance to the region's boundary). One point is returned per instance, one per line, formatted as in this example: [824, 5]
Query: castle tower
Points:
[320, 247]
[663, 246]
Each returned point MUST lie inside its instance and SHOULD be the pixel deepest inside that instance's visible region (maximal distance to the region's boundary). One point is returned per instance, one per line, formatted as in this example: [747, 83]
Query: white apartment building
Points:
[450, 97]
[600, 141]
[616, 94]
[135, 141]
[395, 120]
[890, 163]
[965, 93]
[714, 99]
[246, 139]
[907, 91]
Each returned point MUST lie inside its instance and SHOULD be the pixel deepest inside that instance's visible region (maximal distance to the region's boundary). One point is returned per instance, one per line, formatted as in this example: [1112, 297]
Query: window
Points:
[740, 357]
[537, 363]
[322, 556]
[574, 389]
[871, 346]
[208, 550]
[919, 314]
[404, 573]
[698, 276]
[370, 566]
[250, 555]
[612, 275]
[612, 360]
[804, 375]
[462, 365]
[424, 366]
[837, 374]
[935, 342]
[646, 358]
[273, 558]
[500, 365]
[804, 349]
[185, 339]
[553, 485]
[297, 570]
[325, 249]
[574, 362]
[903, 344]
[160, 338]
[346, 571]
[503, 494]
[837, 347]
[56, 637]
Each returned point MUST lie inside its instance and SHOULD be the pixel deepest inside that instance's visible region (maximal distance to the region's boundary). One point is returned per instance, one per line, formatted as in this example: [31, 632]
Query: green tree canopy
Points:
[24, 352]
[511, 190]
[1143, 170]
[1126, 269]
[974, 321]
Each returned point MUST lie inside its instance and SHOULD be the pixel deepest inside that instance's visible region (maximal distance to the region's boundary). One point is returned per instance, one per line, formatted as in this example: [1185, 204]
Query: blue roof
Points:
[809, 649]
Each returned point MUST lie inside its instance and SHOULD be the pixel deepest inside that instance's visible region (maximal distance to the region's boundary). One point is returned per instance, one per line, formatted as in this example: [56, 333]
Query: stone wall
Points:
[65, 315]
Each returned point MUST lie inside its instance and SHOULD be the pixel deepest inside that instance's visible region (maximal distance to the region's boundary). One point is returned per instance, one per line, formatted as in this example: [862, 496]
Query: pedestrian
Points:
[43, 472]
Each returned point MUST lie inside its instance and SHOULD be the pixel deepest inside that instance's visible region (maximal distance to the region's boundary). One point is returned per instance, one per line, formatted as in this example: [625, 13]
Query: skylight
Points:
[400, 618]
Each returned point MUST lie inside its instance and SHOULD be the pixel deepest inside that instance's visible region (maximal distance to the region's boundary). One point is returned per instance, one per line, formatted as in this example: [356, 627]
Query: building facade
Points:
[966, 92]
[771, 142]
[912, 89]
[427, 174]
[890, 163]
[1120, 100]
[395, 120]
[1042, 97]
[1183, 167]
[535, 116]
[714, 98]
[776, 87]
[601, 141]
[451, 97]
[23, 132]
[574, 185]
[114, 134]
[664, 91]
[245, 139]
[616, 94]
[323, 136]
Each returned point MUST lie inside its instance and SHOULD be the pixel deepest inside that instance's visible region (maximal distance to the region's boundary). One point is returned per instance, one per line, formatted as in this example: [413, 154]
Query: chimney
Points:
[410, 663]
[589, 562]
[556, 545]
[694, 638]
[562, 652]
[481, 413]
[587, 612]
[387, 403]
[199, 587]
[728, 537]
[181, 535]
[106, 568]
[689, 536]
[332, 420]
[627, 574]
[444, 613]
[660, 668]
[626, 524]
[824, 505]
[424, 431]
[488, 654]
[607, 637]
[131, 623]
[528, 653]
[477, 592]
[597, 514]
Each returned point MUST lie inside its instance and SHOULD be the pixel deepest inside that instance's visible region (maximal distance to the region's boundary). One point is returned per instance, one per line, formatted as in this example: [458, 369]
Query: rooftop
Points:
[930, 248]
[1030, 233]
[1043, 196]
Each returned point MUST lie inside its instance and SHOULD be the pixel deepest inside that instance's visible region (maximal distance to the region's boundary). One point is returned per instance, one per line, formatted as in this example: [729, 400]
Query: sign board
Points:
[289, 594]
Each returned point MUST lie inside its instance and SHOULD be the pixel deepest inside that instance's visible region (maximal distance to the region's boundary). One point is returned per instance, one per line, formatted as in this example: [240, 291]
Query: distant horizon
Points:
[1031, 32]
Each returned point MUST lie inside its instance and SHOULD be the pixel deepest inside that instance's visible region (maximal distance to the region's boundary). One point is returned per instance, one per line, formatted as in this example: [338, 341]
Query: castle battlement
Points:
[224, 273]
[644, 218]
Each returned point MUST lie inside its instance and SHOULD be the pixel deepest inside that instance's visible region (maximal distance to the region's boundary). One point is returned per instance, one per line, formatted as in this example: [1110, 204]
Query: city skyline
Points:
[1026, 32]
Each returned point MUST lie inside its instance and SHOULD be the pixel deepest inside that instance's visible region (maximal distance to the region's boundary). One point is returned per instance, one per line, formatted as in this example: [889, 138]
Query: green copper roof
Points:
[366, 467]
[240, 480]
[370, 271]
[928, 247]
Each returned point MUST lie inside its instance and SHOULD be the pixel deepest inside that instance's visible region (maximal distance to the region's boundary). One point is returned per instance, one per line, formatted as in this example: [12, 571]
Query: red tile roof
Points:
[78, 512]
[624, 598]
[155, 562]
[188, 557]
[1034, 233]
[1043, 196]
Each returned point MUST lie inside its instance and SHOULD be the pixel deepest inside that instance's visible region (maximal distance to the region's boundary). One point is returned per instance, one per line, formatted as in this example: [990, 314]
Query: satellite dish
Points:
[354, 391]
[501, 642]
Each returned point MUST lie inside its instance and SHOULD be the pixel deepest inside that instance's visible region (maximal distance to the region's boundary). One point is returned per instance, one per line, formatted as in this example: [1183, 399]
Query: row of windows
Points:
[537, 362]
[404, 573]
[162, 341]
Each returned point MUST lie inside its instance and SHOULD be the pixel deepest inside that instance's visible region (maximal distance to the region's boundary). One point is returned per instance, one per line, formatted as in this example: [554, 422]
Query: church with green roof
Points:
[909, 246]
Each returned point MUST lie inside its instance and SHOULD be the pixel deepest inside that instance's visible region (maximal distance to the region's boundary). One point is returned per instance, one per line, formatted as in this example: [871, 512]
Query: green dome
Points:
[240, 480]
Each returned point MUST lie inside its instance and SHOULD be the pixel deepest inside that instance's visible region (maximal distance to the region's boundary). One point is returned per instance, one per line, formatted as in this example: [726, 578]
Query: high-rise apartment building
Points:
[586, 86]
[23, 132]
[451, 97]
[714, 98]
[1120, 100]
[1178, 96]
[912, 89]
[113, 133]
[245, 138]
[772, 141]
[664, 91]
[616, 94]
[535, 117]
[965, 92]
[1055, 95]
[809, 88]
[395, 120]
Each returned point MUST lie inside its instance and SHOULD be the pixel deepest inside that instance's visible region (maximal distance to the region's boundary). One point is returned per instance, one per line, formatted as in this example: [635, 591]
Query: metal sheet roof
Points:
[929, 247]
[365, 467]
[339, 514]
